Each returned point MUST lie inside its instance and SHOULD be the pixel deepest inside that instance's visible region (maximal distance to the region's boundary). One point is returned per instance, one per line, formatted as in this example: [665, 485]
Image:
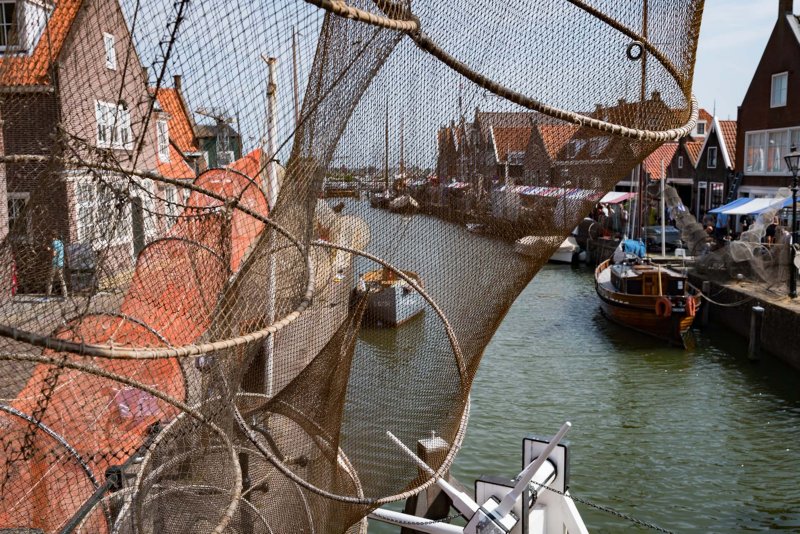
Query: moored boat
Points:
[646, 297]
[532, 245]
[392, 300]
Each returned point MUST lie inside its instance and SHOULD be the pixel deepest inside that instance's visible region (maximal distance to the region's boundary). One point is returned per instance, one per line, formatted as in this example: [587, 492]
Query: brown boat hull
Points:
[639, 312]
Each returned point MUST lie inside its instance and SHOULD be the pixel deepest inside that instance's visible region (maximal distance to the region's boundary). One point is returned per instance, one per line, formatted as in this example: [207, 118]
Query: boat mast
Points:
[296, 80]
[402, 147]
[386, 150]
[643, 89]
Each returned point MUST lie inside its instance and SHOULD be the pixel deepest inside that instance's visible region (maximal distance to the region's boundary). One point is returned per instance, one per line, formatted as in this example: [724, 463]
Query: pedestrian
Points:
[771, 231]
[56, 249]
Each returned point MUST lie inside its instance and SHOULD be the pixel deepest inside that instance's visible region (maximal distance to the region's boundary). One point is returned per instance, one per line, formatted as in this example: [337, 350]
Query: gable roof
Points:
[33, 69]
[704, 115]
[176, 168]
[507, 139]
[662, 156]
[694, 149]
[180, 123]
[556, 136]
[729, 130]
[726, 139]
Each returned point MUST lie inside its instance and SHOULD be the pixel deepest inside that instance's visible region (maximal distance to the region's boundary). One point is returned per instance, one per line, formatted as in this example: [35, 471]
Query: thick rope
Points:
[338, 7]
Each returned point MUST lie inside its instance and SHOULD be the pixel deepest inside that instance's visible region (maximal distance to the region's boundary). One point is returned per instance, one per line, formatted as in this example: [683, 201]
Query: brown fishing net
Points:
[193, 234]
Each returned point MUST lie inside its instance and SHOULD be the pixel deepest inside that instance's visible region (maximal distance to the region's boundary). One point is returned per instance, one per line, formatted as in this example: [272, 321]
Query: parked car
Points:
[653, 238]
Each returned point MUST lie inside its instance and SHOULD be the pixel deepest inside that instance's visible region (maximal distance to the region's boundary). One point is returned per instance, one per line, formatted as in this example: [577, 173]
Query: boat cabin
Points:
[647, 279]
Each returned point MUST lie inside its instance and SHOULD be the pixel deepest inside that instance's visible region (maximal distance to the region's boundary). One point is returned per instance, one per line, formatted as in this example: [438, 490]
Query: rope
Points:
[605, 509]
[721, 304]
[338, 7]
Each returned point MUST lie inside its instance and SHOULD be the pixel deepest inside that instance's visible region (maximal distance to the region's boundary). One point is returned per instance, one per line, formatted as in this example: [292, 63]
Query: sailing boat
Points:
[403, 203]
[381, 199]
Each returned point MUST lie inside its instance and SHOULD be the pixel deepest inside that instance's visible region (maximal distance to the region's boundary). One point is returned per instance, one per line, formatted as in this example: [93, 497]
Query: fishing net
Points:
[182, 297]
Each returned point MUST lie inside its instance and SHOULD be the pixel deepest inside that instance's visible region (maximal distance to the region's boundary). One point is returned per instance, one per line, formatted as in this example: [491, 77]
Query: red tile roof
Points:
[663, 154]
[704, 115]
[510, 139]
[33, 69]
[177, 168]
[180, 124]
[694, 148]
[555, 137]
[728, 133]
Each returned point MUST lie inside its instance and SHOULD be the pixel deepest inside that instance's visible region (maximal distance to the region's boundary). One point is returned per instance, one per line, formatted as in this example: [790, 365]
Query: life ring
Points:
[663, 307]
[691, 306]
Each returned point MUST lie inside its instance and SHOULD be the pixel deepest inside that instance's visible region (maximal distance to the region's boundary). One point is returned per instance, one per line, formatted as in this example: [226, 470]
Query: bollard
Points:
[706, 289]
[756, 320]
[431, 503]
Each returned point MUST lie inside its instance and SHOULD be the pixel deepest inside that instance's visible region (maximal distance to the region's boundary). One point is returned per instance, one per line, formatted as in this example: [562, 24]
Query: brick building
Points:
[72, 88]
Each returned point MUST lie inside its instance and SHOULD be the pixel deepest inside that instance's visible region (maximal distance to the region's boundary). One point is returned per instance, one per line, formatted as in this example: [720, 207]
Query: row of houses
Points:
[720, 161]
[72, 84]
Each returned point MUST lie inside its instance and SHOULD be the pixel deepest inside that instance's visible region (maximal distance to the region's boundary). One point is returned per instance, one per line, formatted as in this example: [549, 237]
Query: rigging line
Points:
[173, 37]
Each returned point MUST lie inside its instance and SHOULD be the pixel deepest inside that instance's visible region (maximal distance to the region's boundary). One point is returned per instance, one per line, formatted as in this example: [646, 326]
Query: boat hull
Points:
[639, 312]
[391, 302]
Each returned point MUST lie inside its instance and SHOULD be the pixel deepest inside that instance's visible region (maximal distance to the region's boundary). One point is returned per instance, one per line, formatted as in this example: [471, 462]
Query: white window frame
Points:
[109, 42]
[96, 205]
[766, 153]
[25, 197]
[162, 134]
[8, 27]
[711, 162]
[781, 101]
[680, 162]
[699, 125]
[113, 126]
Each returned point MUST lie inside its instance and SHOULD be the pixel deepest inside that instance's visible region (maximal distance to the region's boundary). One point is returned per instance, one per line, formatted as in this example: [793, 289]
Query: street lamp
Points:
[793, 162]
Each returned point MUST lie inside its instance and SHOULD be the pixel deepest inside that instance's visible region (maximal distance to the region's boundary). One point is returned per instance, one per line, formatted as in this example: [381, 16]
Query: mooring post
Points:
[706, 289]
[756, 320]
[431, 503]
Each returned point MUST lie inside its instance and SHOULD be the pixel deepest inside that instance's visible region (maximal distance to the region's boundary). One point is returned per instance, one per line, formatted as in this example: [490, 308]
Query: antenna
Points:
[222, 121]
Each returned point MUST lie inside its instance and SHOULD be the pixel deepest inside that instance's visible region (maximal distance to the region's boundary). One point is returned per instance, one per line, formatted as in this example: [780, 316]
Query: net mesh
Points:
[182, 294]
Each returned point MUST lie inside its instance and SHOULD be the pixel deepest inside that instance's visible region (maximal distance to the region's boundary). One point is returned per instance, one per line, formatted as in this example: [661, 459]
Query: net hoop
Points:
[340, 8]
[425, 43]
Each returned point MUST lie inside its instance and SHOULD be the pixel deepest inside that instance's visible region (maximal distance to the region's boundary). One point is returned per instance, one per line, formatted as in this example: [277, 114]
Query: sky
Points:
[732, 38]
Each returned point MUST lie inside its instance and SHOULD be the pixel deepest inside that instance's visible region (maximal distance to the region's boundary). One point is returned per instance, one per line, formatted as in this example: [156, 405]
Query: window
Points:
[171, 201]
[8, 24]
[680, 162]
[701, 127]
[16, 208]
[111, 53]
[712, 157]
[715, 197]
[113, 126]
[163, 141]
[99, 219]
[780, 87]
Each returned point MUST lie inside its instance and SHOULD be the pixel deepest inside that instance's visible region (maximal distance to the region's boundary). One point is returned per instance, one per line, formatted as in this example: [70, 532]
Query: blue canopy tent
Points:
[752, 206]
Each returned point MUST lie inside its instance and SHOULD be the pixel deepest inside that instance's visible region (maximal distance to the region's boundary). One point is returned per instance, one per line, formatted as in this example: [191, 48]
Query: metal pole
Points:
[295, 79]
[663, 213]
[792, 253]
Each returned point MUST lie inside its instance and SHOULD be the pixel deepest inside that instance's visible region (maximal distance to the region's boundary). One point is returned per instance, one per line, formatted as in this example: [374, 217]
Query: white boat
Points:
[537, 501]
[392, 300]
[532, 245]
[403, 204]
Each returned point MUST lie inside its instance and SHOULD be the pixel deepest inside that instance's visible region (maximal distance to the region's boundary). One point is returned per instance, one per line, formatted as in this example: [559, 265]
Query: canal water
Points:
[692, 441]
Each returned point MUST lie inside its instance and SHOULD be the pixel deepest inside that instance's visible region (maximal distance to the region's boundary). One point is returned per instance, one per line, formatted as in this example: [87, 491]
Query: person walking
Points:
[56, 248]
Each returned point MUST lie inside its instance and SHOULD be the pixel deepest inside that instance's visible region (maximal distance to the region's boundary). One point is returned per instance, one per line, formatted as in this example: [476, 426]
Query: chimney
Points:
[177, 81]
[785, 7]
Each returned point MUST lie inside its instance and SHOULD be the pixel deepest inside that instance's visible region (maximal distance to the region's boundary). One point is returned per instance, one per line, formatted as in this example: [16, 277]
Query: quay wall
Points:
[780, 333]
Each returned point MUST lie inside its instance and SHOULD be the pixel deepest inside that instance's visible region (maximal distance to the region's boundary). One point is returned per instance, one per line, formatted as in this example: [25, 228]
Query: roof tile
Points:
[663, 154]
[33, 69]
[180, 125]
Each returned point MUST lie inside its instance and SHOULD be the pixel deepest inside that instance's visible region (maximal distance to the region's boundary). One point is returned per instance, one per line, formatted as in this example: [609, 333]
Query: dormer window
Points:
[701, 127]
[8, 25]
[111, 53]
[780, 88]
[163, 141]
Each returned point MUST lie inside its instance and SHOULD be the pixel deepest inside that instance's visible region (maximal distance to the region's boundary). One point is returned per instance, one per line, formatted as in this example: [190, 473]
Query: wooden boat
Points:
[392, 300]
[649, 298]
